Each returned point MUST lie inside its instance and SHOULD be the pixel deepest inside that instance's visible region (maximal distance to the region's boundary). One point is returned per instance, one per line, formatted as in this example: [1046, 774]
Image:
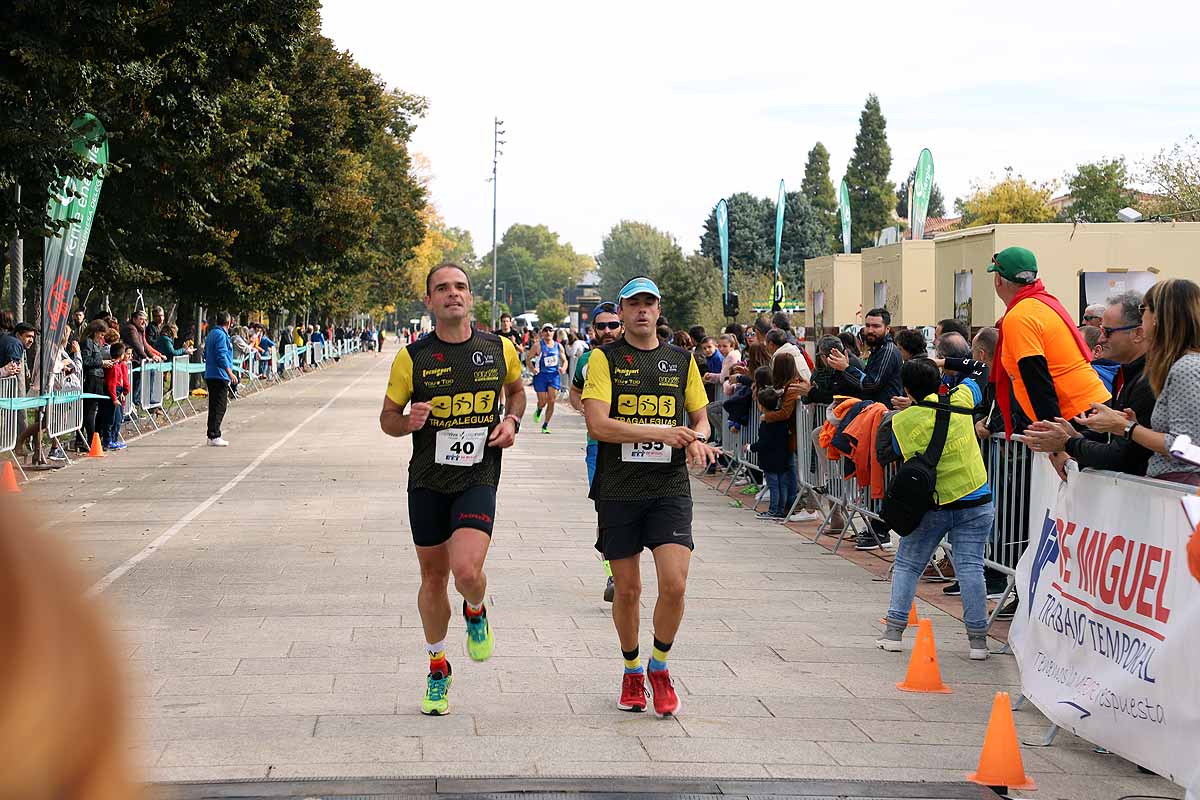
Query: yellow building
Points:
[832, 287]
[899, 277]
[1080, 264]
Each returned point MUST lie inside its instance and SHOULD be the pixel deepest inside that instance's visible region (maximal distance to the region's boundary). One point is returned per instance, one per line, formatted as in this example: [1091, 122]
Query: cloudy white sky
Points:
[654, 110]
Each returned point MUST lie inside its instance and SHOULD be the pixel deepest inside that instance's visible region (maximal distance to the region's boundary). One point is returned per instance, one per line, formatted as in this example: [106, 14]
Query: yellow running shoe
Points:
[480, 641]
[437, 693]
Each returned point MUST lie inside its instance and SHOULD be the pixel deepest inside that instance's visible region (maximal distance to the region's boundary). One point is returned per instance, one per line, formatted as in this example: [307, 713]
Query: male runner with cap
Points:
[548, 363]
[456, 378]
[639, 393]
[606, 329]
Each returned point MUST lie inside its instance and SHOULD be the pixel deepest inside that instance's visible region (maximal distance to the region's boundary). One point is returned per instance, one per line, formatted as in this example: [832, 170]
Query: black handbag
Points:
[913, 490]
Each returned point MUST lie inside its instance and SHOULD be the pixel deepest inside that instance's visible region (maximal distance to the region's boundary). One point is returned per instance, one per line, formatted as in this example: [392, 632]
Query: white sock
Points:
[434, 649]
[474, 609]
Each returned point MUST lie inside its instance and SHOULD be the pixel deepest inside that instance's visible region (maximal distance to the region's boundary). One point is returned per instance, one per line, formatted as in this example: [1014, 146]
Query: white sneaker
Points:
[805, 516]
[218, 442]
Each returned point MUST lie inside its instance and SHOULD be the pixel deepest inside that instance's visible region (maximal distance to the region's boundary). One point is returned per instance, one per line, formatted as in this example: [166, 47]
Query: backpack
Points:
[913, 489]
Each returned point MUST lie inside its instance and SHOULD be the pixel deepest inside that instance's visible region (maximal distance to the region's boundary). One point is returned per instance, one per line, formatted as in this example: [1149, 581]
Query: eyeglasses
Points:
[607, 326]
[1144, 307]
[1108, 332]
[1086, 317]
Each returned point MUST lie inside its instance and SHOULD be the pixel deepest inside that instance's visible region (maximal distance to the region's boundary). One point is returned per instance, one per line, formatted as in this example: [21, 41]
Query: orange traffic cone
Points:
[8, 480]
[97, 451]
[923, 673]
[1000, 761]
[912, 615]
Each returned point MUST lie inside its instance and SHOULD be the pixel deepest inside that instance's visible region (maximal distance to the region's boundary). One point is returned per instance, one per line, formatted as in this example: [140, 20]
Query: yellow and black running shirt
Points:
[643, 387]
[464, 383]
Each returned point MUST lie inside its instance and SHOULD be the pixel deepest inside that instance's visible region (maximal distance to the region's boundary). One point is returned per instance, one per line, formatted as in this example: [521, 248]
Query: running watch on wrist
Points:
[1129, 430]
[516, 422]
[700, 437]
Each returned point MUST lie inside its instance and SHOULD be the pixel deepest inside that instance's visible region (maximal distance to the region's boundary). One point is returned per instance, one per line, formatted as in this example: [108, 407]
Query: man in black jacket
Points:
[1124, 340]
[880, 379]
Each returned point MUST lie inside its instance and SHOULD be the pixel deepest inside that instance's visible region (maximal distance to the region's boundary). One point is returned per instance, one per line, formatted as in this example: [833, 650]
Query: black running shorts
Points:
[434, 516]
[629, 526]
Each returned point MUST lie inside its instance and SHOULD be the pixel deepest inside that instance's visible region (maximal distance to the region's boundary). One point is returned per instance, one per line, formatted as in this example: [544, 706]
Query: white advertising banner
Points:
[1107, 636]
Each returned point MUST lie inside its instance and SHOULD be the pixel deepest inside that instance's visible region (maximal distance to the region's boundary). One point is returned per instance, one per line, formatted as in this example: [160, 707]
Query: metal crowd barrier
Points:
[9, 418]
[152, 389]
[64, 414]
[181, 384]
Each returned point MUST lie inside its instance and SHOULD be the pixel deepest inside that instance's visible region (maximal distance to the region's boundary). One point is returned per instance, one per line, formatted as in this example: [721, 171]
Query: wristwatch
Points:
[1129, 430]
[516, 422]
[700, 437]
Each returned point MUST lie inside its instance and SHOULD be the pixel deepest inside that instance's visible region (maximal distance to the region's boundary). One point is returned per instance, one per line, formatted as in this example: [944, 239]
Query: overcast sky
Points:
[653, 111]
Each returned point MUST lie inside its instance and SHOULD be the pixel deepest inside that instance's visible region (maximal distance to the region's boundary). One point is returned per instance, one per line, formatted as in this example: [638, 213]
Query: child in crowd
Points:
[116, 384]
[774, 455]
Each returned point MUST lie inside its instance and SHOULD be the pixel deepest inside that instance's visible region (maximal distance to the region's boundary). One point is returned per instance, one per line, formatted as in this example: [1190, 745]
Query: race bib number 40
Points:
[460, 447]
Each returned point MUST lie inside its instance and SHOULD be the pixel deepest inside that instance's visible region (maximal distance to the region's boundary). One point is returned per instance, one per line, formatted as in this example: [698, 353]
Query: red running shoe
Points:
[666, 702]
[633, 692]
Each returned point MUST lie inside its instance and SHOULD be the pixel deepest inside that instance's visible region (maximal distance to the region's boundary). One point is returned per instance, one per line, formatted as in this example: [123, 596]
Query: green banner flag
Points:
[922, 185]
[723, 237]
[778, 227]
[844, 213]
[63, 254]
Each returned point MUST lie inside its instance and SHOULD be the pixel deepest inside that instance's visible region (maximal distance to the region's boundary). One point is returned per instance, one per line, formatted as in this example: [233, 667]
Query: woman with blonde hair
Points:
[1171, 319]
[63, 712]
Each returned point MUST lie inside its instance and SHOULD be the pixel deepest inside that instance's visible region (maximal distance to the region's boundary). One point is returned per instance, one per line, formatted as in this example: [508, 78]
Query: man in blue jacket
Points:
[218, 375]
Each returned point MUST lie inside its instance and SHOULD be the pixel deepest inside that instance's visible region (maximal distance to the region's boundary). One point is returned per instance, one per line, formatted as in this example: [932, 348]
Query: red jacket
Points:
[116, 380]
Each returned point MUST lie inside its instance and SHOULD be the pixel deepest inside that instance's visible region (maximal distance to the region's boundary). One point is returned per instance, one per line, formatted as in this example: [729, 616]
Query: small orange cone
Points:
[8, 480]
[923, 673]
[912, 615]
[1000, 761]
[97, 451]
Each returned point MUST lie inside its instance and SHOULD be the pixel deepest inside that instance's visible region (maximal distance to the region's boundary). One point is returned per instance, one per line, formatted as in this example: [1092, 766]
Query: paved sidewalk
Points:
[276, 634]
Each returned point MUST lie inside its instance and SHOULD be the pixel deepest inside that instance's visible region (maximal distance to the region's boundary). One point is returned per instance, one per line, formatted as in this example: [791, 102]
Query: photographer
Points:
[964, 512]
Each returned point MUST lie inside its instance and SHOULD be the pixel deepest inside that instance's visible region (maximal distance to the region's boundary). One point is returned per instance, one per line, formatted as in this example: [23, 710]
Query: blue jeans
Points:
[593, 450]
[116, 420]
[783, 488]
[968, 530]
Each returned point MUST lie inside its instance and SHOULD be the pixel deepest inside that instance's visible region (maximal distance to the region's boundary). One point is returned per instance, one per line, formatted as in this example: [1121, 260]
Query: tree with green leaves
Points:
[937, 203]
[533, 264]
[751, 244]
[689, 286]
[872, 195]
[1175, 176]
[1009, 201]
[752, 237]
[1098, 191]
[630, 249]
[818, 188]
[552, 310]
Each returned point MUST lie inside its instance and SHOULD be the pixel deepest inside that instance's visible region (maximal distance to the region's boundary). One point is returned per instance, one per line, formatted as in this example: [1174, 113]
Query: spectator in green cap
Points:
[1041, 355]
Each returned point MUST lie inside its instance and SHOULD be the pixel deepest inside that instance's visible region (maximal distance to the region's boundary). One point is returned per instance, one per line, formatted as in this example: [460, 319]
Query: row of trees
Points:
[256, 166]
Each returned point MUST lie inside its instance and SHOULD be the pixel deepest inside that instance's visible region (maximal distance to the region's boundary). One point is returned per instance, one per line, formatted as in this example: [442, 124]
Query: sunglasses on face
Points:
[607, 326]
[1090, 316]
[1144, 307]
[1108, 332]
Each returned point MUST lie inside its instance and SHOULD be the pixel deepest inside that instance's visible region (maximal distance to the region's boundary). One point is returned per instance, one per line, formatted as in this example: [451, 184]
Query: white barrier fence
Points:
[9, 418]
[1109, 616]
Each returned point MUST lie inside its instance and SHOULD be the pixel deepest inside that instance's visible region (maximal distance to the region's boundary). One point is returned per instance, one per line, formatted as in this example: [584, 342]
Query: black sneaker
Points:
[1010, 609]
[953, 590]
[867, 540]
[996, 587]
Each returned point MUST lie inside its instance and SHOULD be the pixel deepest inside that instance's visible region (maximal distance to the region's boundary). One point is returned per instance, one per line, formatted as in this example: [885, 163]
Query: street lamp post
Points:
[496, 152]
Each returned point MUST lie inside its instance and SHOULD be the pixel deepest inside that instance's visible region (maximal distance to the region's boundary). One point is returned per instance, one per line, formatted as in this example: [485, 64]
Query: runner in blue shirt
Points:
[548, 363]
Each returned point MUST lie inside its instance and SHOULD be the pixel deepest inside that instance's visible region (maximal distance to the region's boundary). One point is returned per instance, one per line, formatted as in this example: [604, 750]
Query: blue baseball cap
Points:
[638, 285]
